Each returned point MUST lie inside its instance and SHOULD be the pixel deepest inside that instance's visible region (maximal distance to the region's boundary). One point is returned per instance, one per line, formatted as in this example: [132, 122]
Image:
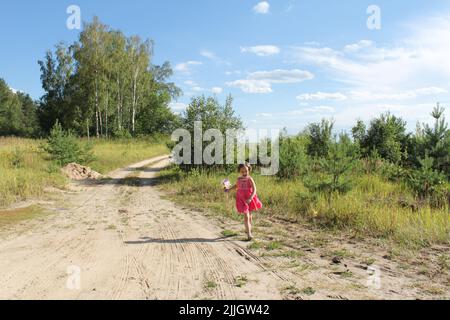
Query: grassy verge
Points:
[26, 171]
[110, 155]
[374, 208]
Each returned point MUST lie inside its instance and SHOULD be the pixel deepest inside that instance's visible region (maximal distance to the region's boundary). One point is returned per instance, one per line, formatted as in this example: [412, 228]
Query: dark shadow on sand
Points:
[129, 181]
[147, 240]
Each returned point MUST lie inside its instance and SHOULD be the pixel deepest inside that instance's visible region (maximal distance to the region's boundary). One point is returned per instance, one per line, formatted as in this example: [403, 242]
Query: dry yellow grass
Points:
[374, 208]
[24, 170]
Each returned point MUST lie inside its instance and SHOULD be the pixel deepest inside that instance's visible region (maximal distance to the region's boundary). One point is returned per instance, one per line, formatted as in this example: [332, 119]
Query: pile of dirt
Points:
[77, 172]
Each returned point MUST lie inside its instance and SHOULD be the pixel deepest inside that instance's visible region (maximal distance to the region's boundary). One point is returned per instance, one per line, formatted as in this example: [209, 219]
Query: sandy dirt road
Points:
[125, 242]
[120, 239]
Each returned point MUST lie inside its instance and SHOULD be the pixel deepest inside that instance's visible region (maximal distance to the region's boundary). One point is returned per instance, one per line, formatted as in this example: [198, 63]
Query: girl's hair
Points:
[246, 165]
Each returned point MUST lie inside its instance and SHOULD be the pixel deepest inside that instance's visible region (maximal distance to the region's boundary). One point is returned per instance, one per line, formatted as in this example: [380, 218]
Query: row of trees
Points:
[104, 84]
[328, 162]
[18, 113]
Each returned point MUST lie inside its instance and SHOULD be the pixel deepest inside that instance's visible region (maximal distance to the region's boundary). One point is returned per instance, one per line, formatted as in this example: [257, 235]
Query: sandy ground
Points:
[119, 239]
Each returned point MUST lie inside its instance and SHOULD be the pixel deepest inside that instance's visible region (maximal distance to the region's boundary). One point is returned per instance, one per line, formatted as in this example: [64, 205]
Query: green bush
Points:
[333, 171]
[64, 148]
[293, 158]
[320, 137]
[429, 184]
[394, 172]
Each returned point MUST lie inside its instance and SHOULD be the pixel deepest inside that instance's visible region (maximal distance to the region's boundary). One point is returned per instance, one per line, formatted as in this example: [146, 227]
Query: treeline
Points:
[102, 85]
[328, 163]
[18, 113]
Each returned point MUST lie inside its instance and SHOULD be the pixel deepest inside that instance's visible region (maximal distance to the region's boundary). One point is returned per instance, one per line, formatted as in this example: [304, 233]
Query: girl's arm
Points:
[254, 190]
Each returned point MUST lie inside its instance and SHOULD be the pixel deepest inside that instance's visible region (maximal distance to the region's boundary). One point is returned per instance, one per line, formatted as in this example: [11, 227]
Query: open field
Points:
[375, 208]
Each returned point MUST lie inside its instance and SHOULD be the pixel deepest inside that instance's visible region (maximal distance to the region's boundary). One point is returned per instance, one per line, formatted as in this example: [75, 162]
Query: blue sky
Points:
[286, 62]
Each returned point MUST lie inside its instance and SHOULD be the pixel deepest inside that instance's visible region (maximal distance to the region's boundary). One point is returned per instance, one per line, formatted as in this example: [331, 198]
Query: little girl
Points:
[246, 199]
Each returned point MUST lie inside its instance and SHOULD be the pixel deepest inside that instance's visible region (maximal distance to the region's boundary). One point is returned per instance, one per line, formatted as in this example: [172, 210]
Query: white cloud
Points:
[431, 91]
[178, 106]
[208, 54]
[316, 110]
[264, 115]
[416, 61]
[251, 86]
[322, 109]
[190, 83]
[185, 67]
[322, 96]
[312, 43]
[229, 73]
[397, 96]
[261, 81]
[217, 90]
[282, 76]
[402, 75]
[198, 89]
[213, 57]
[370, 95]
[354, 47]
[262, 51]
[262, 7]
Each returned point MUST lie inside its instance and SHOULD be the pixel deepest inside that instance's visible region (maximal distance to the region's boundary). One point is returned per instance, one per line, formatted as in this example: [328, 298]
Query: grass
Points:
[291, 290]
[240, 281]
[210, 285]
[111, 155]
[274, 245]
[255, 245]
[9, 217]
[26, 171]
[308, 291]
[373, 208]
[343, 253]
[229, 233]
[290, 254]
[369, 261]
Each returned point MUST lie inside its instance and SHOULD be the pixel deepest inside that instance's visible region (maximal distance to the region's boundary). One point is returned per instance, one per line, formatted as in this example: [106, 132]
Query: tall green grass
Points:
[25, 170]
[374, 208]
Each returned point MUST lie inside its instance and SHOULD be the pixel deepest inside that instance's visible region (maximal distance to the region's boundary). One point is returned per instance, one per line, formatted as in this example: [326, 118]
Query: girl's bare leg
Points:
[248, 225]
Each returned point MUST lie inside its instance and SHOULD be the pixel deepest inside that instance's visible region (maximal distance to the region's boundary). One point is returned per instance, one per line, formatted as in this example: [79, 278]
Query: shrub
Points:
[386, 134]
[293, 158]
[64, 148]
[319, 135]
[333, 175]
[428, 183]
[394, 172]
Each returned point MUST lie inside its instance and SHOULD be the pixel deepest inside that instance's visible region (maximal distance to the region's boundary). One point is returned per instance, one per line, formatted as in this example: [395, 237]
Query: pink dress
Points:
[244, 192]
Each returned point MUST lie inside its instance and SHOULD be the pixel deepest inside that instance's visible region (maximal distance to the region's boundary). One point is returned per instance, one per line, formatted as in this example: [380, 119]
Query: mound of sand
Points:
[77, 172]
